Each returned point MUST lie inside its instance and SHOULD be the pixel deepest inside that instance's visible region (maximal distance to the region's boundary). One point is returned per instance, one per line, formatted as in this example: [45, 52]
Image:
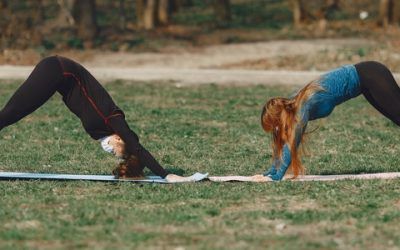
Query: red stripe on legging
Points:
[108, 117]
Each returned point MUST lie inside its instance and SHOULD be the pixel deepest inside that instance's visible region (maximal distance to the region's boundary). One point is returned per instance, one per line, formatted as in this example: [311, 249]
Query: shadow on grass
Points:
[175, 170]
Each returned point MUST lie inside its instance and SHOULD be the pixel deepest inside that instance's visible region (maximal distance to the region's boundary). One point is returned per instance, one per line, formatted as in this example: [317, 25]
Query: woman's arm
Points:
[132, 145]
[272, 169]
[286, 157]
[284, 164]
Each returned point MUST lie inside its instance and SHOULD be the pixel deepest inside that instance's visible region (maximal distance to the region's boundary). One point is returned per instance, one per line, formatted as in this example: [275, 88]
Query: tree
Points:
[139, 9]
[152, 13]
[176, 5]
[299, 12]
[222, 10]
[5, 14]
[323, 13]
[85, 19]
[37, 20]
[122, 16]
[388, 13]
[149, 17]
[323, 8]
[20, 29]
[163, 12]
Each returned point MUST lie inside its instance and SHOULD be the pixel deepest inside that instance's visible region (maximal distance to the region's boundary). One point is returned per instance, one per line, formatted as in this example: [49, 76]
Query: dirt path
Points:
[219, 55]
[183, 76]
[221, 64]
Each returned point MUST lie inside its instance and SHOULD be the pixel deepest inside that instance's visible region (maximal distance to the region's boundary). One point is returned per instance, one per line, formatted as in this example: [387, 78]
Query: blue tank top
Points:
[338, 86]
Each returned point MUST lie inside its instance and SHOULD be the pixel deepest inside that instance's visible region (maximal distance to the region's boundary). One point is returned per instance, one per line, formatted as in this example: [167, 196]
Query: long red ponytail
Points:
[280, 117]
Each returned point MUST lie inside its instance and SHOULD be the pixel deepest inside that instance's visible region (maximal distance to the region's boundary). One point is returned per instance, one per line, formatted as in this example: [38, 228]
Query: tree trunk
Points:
[297, 9]
[300, 15]
[396, 12]
[4, 16]
[163, 9]
[152, 13]
[139, 10]
[85, 17]
[391, 11]
[384, 13]
[322, 15]
[149, 20]
[38, 20]
[65, 14]
[222, 9]
[122, 16]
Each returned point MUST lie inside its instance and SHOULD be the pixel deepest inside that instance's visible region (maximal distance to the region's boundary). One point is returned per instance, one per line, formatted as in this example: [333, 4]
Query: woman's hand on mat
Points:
[276, 177]
[260, 178]
[270, 171]
[173, 178]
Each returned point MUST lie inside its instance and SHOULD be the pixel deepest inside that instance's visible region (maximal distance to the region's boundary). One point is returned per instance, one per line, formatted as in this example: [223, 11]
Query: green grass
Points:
[211, 129]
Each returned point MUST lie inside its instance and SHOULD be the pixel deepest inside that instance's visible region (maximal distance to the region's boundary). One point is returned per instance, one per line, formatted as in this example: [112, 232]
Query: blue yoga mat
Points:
[106, 178]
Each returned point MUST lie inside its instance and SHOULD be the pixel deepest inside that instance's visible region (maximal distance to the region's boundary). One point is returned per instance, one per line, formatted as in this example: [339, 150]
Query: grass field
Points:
[211, 129]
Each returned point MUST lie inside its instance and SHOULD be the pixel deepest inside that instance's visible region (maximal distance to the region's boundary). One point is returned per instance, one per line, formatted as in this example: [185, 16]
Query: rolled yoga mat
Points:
[260, 178]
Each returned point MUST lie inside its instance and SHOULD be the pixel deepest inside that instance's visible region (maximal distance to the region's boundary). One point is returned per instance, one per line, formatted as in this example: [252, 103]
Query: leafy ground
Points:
[211, 129]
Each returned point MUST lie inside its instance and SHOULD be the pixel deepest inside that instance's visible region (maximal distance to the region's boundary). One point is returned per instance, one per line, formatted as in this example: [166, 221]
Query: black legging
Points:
[84, 96]
[41, 84]
[380, 89]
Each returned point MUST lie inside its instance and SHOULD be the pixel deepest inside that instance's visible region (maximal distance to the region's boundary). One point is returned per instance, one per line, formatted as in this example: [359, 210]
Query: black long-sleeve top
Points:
[100, 116]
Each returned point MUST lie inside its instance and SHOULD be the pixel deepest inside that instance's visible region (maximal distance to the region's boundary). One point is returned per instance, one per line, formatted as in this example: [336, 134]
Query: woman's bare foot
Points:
[173, 178]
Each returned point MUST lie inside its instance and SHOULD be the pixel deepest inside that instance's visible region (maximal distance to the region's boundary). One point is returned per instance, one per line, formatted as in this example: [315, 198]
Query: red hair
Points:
[280, 117]
[128, 168]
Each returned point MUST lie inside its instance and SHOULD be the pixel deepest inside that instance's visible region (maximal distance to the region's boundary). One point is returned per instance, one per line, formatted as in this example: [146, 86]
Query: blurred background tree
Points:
[85, 21]
[151, 14]
[126, 24]
[389, 12]
[302, 12]
[222, 9]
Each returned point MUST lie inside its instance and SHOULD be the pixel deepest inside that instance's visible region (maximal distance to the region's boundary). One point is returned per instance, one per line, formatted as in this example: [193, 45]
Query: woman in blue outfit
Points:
[287, 118]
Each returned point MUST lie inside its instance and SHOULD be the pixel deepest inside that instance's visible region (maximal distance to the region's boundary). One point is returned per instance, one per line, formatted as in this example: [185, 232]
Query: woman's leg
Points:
[380, 89]
[41, 84]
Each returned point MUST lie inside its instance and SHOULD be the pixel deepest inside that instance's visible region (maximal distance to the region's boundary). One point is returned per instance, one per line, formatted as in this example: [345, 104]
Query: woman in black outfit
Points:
[88, 100]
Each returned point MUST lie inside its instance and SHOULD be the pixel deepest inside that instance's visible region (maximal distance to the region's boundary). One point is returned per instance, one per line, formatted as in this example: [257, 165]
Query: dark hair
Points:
[128, 168]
